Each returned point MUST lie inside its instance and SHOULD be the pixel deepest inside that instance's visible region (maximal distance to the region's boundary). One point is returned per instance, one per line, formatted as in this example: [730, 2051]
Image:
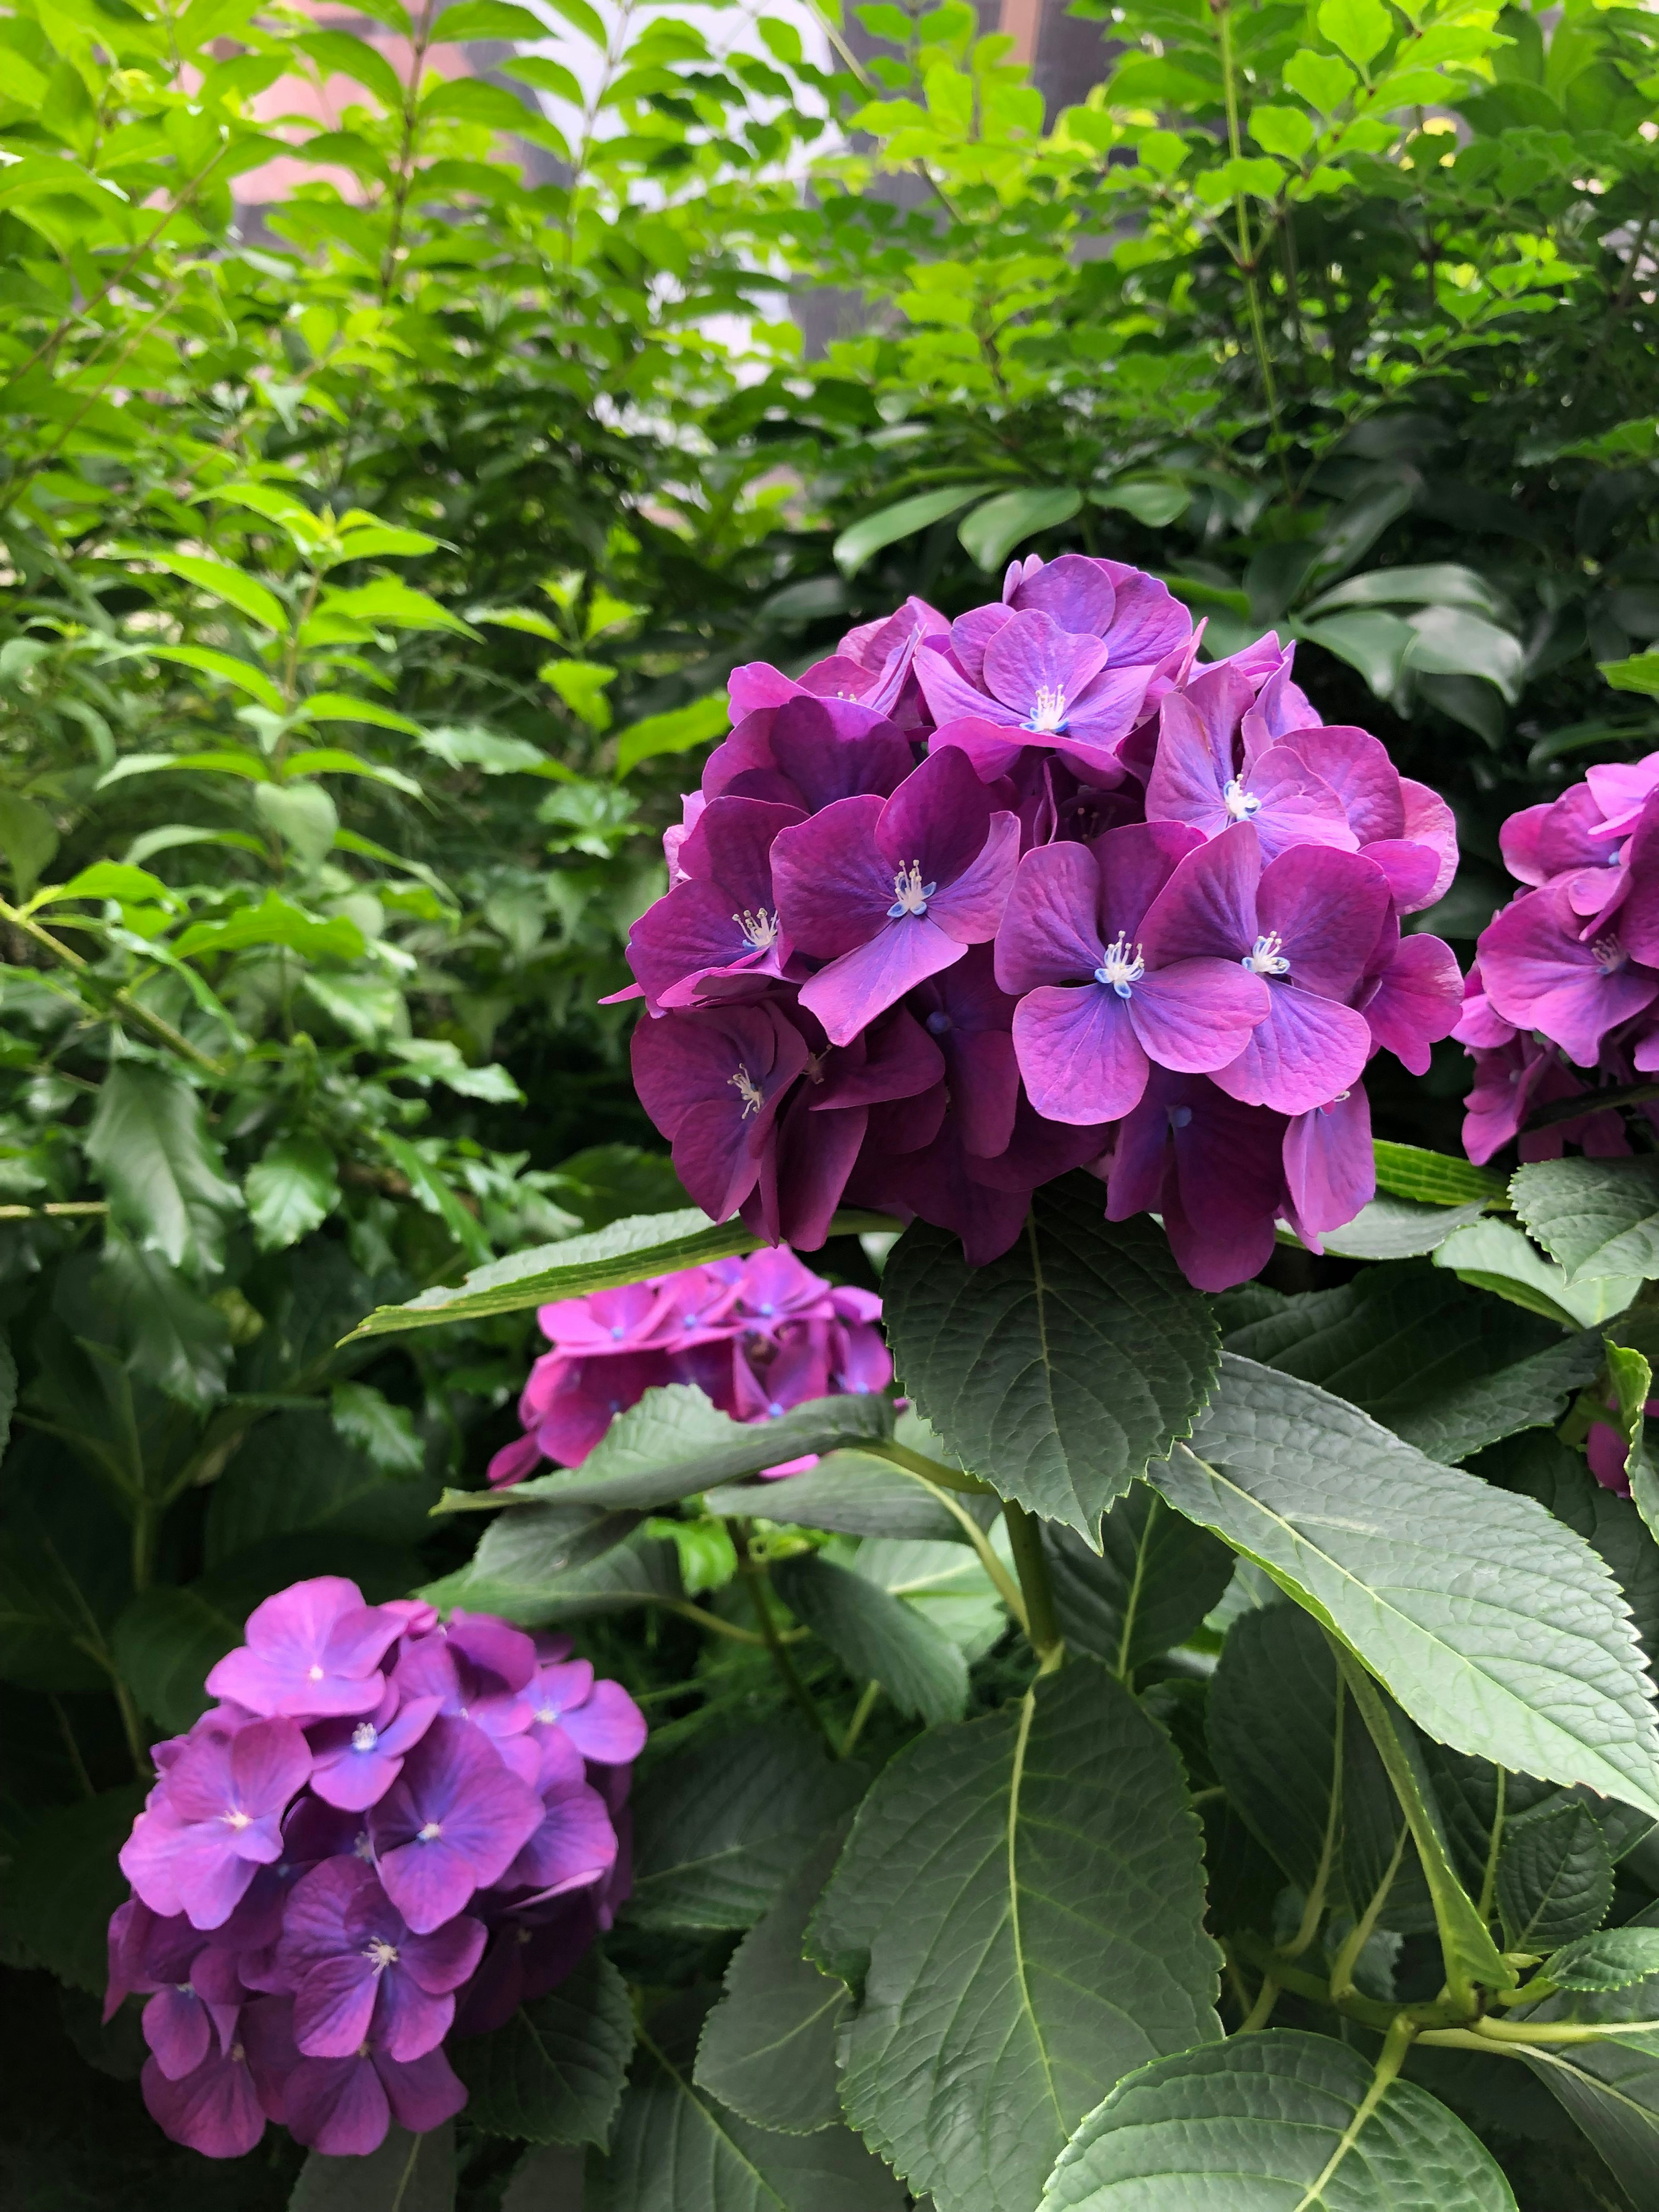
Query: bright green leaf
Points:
[292, 1189]
[991, 532]
[861, 541]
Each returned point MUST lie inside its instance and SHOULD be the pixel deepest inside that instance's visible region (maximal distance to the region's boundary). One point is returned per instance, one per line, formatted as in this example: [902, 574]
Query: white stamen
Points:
[1610, 955]
[365, 1736]
[911, 894]
[749, 1091]
[235, 1820]
[1239, 803]
[361, 1848]
[761, 929]
[1049, 712]
[1121, 969]
[380, 1954]
[430, 1834]
[1267, 958]
[548, 1715]
[315, 1675]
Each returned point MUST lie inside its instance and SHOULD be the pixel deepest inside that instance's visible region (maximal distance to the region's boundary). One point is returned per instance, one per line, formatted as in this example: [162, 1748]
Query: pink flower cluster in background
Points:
[387, 1830]
[974, 903]
[756, 1336]
[1566, 977]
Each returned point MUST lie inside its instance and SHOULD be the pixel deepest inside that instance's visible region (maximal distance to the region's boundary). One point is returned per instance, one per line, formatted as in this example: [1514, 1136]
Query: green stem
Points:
[1006, 1588]
[1489, 1879]
[1263, 2010]
[755, 1579]
[1314, 1910]
[1591, 1101]
[121, 1003]
[861, 1712]
[1392, 2057]
[132, 1730]
[73, 1749]
[1042, 1626]
[1342, 1966]
[930, 1470]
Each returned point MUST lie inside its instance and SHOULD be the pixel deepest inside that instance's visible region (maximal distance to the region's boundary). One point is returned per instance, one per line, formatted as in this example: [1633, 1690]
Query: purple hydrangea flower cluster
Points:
[1566, 976]
[974, 903]
[756, 1336]
[389, 1830]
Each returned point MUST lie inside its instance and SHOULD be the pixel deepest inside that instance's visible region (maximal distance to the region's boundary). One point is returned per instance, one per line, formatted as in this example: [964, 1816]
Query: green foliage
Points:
[554, 2074]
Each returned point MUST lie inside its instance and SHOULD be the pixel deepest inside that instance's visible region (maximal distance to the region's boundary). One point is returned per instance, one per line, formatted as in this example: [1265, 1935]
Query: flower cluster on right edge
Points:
[974, 903]
[1561, 997]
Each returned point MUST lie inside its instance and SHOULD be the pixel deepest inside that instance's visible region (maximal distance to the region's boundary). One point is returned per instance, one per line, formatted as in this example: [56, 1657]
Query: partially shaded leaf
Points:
[876, 1636]
[1595, 1217]
[1554, 1877]
[554, 2074]
[1155, 1580]
[149, 1143]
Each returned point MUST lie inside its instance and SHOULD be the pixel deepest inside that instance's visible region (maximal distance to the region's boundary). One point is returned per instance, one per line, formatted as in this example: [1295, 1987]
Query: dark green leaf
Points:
[164, 1644]
[768, 2048]
[525, 1555]
[296, 1471]
[991, 532]
[1595, 1217]
[1059, 1370]
[1258, 2124]
[853, 1493]
[554, 2073]
[149, 1143]
[1539, 1465]
[861, 540]
[1554, 1877]
[1612, 2092]
[674, 1442]
[65, 1574]
[1611, 1960]
[385, 1432]
[64, 1883]
[644, 1570]
[720, 1826]
[1443, 1365]
[173, 1340]
[1019, 1912]
[876, 1636]
[675, 2147]
[407, 2173]
[1156, 1579]
[625, 1251]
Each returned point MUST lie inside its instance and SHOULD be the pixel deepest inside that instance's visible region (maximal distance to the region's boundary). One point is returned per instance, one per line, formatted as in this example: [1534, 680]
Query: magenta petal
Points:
[833, 887]
[334, 2004]
[970, 909]
[1307, 1050]
[1208, 909]
[1196, 1014]
[848, 994]
[938, 819]
[408, 2023]
[216, 2110]
[607, 1727]
[423, 2092]
[1329, 1166]
[440, 1962]
[1327, 908]
[952, 697]
[1048, 934]
[338, 2106]
[575, 1846]
[1296, 806]
[1539, 974]
[1078, 1053]
[177, 2030]
[1039, 670]
[1417, 1000]
[1356, 768]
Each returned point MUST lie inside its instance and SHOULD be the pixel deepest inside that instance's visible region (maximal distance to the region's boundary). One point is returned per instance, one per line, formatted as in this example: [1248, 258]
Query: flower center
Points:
[1180, 1116]
[749, 1091]
[236, 2054]
[1121, 969]
[315, 1675]
[361, 1848]
[1050, 712]
[911, 894]
[761, 929]
[1609, 954]
[380, 1954]
[430, 1834]
[1266, 957]
[1239, 803]
[236, 1819]
[548, 1715]
[365, 1736]
[938, 1024]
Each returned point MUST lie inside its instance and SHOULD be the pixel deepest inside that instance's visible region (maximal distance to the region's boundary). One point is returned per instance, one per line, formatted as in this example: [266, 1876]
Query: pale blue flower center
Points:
[760, 930]
[365, 1736]
[1266, 957]
[939, 1022]
[1240, 804]
[1180, 1116]
[775, 1410]
[1123, 967]
[911, 894]
[1048, 713]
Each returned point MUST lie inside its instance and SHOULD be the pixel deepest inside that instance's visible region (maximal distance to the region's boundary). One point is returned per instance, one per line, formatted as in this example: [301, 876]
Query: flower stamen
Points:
[749, 1090]
[1240, 804]
[1121, 969]
[911, 894]
[761, 930]
[1266, 957]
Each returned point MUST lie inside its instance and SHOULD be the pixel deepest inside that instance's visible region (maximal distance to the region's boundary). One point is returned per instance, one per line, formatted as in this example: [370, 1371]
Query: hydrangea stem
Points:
[755, 1581]
[1042, 1626]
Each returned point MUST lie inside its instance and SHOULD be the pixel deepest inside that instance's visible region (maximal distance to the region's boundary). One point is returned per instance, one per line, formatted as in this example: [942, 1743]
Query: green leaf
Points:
[296, 1472]
[149, 1144]
[1436, 583]
[292, 1190]
[1154, 500]
[63, 1884]
[876, 1636]
[1434, 1178]
[1399, 1228]
[1595, 1217]
[407, 2173]
[1638, 673]
[164, 1644]
[674, 1442]
[626, 1251]
[174, 1338]
[388, 599]
[245, 675]
[29, 838]
[1539, 1466]
[1157, 1577]
[339, 707]
[233, 586]
[1322, 81]
[1554, 1877]
[1611, 2090]
[674, 733]
[991, 532]
[642, 1572]
[439, 1059]
[1633, 1384]
[554, 2074]
[1439, 1363]
[1059, 1370]
[720, 1826]
[768, 2048]
[1497, 1256]
[1272, 2123]
[850, 1492]
[1383, 1546]
[1020, 1912]
[278, 920]
[383, 1433]
[1611, 1960]
[862, 539]
[1283, 130]
[675, 2147]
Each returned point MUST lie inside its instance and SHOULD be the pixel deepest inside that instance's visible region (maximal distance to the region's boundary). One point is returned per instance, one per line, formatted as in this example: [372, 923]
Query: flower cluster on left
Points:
[388, 1829]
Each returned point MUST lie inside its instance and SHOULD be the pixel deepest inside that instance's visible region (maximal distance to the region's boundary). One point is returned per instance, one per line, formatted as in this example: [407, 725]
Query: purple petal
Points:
[334, 2005]
[1191, 770]
[1049, 933]
[951, 697]
[694, 930]
[1412, 870]
[1135, 863]
[1327, 908]
[847, 995]
[984, 1088]
[833, 887]
[1295, 807]
[1356, 768]
[177, 2030]
[731, 846]
[831, 749]
[1078, 1053]
[1074, 591]
[1538, 974]
[1196, 1014]
[338, 2106]
[937, 819]
[970, 909]
[1148, 620]
[408, 2020]
[1208, 909]
[1329, 1166]
[1416, 1001]
[574, 1844]
[440, 1962]
[1106, 711]
[607, 1727]
[451, 1823]
[1430, 822]
[1307, 1050]
[216, 2110]
[1038, 670]
[423, 2092]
